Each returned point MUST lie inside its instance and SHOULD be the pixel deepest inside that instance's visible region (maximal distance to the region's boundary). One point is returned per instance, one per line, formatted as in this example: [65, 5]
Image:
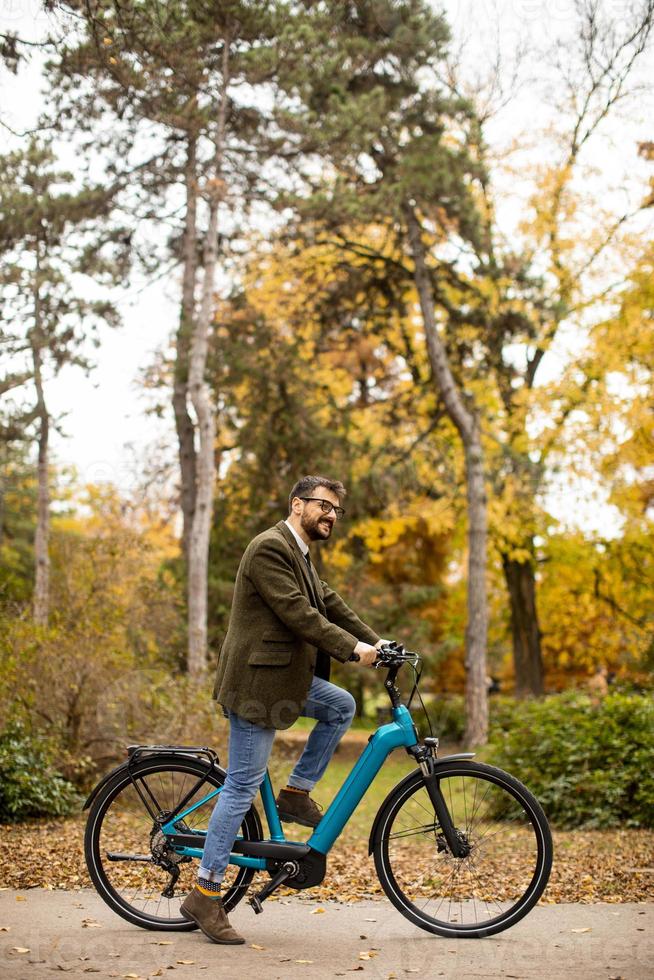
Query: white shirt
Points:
[304, 547]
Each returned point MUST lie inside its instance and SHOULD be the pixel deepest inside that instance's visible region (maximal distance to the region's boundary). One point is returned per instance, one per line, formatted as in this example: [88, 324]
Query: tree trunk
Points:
[527, 656]
[477, 626]
[41, 600]
[201, 398]
[198, 554]
[467, 426]
[183, 422]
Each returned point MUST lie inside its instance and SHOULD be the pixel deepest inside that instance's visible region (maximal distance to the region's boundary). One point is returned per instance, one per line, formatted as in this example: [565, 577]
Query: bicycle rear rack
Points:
[136, 752]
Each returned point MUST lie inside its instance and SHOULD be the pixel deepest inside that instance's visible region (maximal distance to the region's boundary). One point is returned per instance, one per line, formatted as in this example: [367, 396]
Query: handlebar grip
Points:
[355, 657]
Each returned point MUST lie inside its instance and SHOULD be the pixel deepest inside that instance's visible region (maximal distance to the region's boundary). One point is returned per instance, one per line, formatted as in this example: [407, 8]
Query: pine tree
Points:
[48, 233]
[180, 77]
[396, 147]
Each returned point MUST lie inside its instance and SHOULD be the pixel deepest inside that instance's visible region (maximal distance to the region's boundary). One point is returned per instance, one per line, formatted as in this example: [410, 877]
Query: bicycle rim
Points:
[498, 882]
[119, 824]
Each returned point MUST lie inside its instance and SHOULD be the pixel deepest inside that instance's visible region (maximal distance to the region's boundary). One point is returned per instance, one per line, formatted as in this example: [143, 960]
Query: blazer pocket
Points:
[271, 657]
[277, 636]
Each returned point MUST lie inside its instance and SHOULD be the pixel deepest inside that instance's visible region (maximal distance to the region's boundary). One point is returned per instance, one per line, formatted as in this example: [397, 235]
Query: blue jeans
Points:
[249, 751]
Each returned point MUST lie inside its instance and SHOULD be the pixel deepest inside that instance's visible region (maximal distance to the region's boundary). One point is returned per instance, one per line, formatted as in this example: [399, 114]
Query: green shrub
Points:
[589, 763]
[30, 786]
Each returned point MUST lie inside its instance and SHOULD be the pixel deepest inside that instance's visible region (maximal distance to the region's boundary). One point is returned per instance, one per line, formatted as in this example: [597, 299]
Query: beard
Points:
[317, 528]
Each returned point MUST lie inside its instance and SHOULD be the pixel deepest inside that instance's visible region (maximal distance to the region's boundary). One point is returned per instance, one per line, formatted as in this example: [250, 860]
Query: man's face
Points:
[317, 525]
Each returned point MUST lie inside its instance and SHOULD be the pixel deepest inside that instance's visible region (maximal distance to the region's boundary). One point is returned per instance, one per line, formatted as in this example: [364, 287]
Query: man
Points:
[285, 624]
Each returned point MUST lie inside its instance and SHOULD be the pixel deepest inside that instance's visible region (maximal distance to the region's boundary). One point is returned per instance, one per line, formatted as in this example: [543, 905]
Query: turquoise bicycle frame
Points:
[401, 732]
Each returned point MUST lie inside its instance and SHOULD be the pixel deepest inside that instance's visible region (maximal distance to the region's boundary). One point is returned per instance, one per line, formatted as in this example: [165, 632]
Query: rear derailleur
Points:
[164, 857]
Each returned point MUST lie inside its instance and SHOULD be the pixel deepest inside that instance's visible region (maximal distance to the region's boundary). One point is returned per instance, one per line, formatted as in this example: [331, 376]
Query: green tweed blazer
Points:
[267, 659]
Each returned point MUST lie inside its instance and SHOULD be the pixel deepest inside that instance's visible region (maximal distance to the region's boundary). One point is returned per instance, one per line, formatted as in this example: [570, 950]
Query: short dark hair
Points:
[305, 487]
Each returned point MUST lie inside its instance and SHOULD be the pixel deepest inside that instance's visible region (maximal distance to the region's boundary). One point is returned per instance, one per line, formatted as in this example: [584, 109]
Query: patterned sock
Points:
[295, 789]
[209, 888]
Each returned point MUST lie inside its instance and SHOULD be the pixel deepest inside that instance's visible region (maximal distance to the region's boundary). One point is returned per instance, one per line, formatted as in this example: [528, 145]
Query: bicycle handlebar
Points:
[390, 655]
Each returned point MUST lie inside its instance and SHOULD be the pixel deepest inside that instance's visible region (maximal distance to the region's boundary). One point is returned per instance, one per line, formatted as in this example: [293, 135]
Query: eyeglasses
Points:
[326, 506]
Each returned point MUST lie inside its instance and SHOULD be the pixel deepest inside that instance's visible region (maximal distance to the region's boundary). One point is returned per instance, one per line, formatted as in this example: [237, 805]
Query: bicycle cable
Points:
[417, 675]
[393, 649]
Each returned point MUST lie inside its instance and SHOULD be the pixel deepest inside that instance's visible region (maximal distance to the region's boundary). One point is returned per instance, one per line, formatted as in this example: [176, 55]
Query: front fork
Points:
[425, 756]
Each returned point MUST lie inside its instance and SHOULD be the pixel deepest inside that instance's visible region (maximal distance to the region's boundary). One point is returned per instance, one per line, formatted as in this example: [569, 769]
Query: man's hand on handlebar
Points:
[366, 654]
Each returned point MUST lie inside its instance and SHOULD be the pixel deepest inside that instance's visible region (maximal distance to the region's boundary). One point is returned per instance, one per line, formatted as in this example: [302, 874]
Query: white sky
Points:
[104, 412]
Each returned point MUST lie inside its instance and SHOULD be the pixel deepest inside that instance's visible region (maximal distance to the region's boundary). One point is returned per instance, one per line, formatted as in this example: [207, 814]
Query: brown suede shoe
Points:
[211, 917]
[298, 808]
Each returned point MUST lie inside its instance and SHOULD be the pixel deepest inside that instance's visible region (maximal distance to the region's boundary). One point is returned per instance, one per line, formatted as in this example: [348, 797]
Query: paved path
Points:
[555, 941]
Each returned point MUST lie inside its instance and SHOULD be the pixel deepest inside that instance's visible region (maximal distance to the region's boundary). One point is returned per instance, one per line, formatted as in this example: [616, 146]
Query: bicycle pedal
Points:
[256, 904]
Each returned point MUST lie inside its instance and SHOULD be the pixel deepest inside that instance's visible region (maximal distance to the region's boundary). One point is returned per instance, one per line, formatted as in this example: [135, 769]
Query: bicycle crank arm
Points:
[288, 870]
[458, 847]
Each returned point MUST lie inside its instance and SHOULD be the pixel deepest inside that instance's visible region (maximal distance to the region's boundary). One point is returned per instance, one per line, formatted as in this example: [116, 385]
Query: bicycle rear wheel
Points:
[501, 878]
[127, 856]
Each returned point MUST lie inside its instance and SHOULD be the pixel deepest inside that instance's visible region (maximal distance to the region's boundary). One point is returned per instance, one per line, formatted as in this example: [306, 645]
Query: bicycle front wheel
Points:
[504, 872]
[134, 870]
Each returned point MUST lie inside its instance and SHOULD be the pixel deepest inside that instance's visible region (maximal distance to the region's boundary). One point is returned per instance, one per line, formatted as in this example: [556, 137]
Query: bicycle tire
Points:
[99, 869]
[529, 838]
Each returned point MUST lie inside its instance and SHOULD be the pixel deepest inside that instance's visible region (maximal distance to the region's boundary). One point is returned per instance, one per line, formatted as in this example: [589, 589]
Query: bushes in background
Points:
[30, 785]
[590, 763]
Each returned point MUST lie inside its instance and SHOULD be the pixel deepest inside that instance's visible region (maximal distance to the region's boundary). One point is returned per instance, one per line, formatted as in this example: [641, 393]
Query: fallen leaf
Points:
[20, 949]
[161, 942]
[587, 929]
[90, 924]
[367, 954]
[255, 946]
[317, 911]
[304, 961]
[51, 857]
[370, 920]
[20, 898]
[186, 962]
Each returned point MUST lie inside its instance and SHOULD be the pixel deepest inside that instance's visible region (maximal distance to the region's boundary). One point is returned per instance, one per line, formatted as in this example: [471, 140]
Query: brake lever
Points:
[396, 652]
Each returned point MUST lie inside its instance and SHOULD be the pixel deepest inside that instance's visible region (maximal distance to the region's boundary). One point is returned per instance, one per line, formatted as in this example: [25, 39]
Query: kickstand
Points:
[287, 870]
